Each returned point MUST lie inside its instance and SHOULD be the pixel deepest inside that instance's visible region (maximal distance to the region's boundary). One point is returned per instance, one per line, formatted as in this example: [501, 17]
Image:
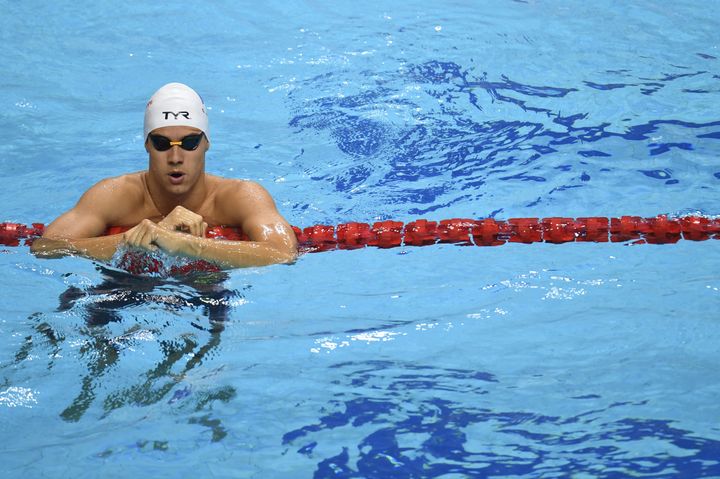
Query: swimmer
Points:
[169, 206]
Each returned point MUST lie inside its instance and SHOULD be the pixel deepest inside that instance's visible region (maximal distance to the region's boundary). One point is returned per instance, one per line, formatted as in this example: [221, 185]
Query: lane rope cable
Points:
[484, 232]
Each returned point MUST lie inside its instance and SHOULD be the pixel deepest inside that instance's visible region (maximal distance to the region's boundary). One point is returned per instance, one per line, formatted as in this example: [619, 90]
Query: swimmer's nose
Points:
[175, 155]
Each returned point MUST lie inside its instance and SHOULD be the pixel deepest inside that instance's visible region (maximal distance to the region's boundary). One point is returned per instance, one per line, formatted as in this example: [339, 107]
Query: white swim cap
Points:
[175, 104]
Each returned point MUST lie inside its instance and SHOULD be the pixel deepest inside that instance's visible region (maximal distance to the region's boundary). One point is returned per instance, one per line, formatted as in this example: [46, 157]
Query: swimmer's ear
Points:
[147, 144]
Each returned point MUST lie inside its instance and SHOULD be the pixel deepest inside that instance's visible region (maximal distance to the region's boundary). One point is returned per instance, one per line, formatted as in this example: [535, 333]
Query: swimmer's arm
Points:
[272, 240]
[79, 231]
[227, 254]
[238, 254]
[101, 248]
[250, 206]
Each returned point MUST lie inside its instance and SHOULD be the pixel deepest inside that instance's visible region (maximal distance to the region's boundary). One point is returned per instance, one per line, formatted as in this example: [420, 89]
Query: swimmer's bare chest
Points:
[141, 206]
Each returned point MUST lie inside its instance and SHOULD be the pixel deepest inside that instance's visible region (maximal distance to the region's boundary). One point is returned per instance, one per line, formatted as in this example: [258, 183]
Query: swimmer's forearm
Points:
[101, 248]
[229, 254]
[239, 254]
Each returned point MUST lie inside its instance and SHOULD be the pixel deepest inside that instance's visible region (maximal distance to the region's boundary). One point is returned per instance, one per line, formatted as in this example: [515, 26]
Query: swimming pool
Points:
[582, 359]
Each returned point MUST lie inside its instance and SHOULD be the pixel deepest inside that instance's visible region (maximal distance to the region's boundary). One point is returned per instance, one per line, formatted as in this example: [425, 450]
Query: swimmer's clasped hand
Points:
[166, 235]
[182, 219]
[153, 237]
[142, 236]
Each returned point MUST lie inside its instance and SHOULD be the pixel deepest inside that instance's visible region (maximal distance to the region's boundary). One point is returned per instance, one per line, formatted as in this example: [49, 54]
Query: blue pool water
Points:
[573, 360]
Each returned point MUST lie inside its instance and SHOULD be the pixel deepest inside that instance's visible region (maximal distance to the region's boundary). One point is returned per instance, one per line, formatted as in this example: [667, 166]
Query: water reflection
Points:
[120, 290]
[112, 329]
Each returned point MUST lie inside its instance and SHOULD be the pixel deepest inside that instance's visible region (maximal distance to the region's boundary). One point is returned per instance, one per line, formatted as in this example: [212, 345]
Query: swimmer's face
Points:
[176, 170]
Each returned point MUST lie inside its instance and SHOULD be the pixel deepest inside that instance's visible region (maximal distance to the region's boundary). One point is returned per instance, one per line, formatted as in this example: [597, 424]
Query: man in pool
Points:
[169, 207]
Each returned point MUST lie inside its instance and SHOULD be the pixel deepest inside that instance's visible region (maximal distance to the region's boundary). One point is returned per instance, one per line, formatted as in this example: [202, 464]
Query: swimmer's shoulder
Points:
[115, 196]
[233, 200]
[232, 186]
[130, 187]
[112, 201]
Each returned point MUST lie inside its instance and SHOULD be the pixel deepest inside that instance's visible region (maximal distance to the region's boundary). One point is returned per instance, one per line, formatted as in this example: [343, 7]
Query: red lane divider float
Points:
[486, 232]
[11, 234]
[491, 232]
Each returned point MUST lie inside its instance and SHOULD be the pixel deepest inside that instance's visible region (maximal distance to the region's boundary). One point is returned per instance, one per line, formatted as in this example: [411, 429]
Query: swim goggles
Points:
[189, 142]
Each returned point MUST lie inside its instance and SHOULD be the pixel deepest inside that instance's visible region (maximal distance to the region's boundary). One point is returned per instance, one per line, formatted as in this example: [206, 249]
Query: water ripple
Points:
[427, 422]
[461, 138]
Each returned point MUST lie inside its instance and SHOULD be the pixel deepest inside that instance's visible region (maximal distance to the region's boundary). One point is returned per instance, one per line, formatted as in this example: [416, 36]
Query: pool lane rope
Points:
[462, 231]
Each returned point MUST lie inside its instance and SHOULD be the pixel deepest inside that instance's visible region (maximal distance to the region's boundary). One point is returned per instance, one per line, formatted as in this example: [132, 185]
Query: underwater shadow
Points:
[105, 306]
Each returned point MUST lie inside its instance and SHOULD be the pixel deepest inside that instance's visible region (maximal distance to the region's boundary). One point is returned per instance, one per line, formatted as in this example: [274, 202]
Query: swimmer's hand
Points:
[152, 237]
[182, 219]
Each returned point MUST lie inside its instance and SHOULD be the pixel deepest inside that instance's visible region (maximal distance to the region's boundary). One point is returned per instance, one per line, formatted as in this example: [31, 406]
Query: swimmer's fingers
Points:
[191, 223]
[192, 226]
[184, 220]
[188, 223]
[198, 227]
[171, 222]
[142, 236]
[150, 233]
[196, 223]
[132, 236]
[129, 237]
